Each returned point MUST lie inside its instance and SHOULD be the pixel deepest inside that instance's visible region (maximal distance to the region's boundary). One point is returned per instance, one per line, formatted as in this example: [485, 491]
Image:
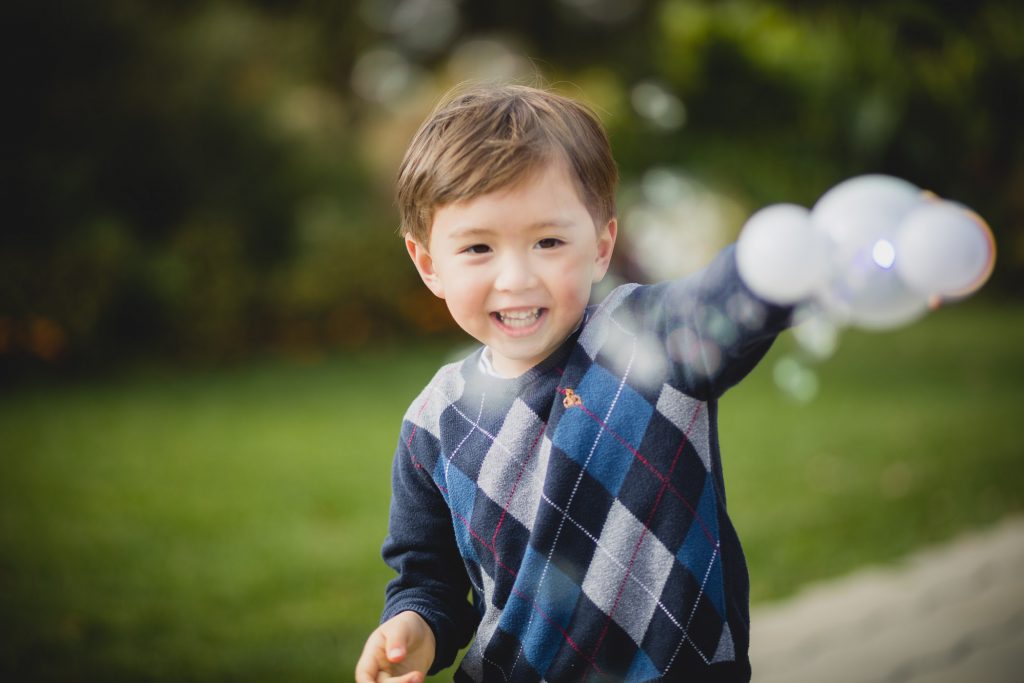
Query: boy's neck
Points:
[486, 362]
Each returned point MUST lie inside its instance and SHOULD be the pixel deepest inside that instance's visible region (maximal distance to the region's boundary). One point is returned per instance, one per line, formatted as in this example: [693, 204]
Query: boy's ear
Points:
[424, 266]
[605, 247]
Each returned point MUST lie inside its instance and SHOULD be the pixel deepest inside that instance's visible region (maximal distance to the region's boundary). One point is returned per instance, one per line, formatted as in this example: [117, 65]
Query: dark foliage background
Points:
[209, 180]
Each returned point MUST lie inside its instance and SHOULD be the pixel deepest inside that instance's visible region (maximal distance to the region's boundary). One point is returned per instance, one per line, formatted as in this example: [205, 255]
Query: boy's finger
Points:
[369, 665]
[411, 677]
[396, 640]
[366, 670]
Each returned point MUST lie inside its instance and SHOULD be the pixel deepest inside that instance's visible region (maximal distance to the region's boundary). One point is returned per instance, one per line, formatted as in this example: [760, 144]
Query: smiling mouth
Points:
[519, 319]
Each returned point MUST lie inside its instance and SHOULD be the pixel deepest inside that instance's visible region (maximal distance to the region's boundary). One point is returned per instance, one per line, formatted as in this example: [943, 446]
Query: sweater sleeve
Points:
[714, 328]
[421, 548]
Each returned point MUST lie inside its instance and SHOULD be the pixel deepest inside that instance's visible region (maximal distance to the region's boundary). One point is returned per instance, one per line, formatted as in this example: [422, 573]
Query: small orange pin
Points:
[571, 399]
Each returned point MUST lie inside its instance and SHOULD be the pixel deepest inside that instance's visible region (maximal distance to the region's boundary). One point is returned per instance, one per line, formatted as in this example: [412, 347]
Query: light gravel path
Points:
[951, 614]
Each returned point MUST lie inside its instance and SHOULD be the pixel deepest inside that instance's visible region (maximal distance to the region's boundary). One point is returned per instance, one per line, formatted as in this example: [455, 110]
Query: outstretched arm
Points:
[715, 329]
[400, 650]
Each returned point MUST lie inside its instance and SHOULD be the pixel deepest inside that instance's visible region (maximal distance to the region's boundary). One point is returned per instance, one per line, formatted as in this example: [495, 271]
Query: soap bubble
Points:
[421, 26]
[489, 60]
[944, 249]
[795, 379]
[861, 217]
[648, 365]
[746, 311]
[815, 333]
[883, 253]
[659, 105]
[858, 212]
[384, 76]
[425, 25]
[604, 11]
[780, 255]
[674, 224]
[687, 347]
[873, 298]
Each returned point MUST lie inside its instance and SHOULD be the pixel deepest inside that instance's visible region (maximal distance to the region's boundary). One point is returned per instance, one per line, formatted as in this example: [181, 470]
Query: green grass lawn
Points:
[171, 526]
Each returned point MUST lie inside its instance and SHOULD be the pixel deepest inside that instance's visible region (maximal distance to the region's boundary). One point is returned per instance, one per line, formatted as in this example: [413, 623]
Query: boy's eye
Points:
[549, 243]
[476, 249]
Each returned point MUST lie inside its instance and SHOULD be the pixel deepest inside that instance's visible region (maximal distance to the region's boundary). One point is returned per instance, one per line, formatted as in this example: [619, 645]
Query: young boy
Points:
[558, 494]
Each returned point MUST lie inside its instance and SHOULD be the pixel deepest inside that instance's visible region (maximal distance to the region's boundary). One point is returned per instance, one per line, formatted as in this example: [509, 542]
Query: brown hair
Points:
[487, 138]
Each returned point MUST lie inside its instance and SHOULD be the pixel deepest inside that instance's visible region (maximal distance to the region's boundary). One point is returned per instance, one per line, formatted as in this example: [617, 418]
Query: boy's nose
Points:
[514, 274]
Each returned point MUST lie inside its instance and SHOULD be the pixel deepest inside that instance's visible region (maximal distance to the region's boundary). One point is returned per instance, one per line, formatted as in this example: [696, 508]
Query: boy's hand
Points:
[401, 650]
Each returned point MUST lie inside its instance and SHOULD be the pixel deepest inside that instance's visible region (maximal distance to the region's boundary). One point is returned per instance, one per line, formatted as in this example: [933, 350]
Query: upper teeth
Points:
[519, 317]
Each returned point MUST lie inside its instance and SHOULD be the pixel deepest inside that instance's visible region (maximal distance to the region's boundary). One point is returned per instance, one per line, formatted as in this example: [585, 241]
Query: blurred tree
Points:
[210, 178]
[152, 185]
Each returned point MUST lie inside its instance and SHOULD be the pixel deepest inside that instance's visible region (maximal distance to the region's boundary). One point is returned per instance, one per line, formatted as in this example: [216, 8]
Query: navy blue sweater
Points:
[573, 519]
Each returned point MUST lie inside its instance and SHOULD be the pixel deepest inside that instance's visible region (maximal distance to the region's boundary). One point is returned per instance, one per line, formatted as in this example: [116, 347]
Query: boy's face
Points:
[515, 266]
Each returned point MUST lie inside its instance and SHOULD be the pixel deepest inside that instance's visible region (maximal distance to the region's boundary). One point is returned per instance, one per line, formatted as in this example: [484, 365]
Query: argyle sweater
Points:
[581, 506]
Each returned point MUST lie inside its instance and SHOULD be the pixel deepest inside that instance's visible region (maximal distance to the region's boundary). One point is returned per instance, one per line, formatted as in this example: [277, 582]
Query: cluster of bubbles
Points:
[874, 252]
[655, 207]
[412, 33]
[420, 27]
[388, 76]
